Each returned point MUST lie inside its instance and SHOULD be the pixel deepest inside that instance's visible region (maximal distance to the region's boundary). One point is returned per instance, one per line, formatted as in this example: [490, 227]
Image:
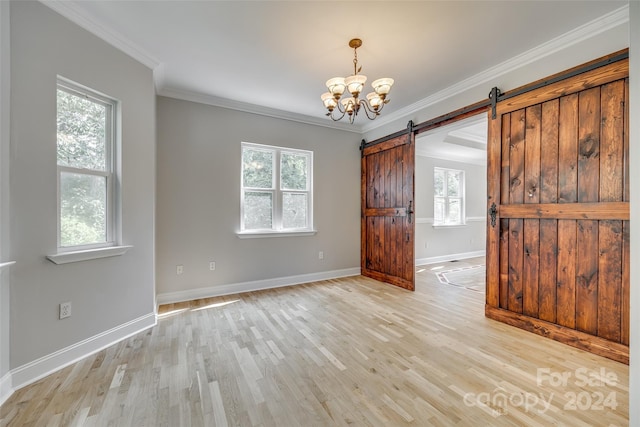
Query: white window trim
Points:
[6, 264]
[462, 198]
[261, 234]
[88, 254]
[277, 191]
[112, 140]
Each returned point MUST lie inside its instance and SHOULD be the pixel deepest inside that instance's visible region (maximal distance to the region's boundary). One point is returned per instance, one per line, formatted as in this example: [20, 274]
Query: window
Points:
[448, 197]
[85, 152]
[276, 189]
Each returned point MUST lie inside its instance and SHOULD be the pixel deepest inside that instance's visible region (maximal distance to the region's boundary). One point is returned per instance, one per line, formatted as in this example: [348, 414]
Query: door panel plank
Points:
[504, 263]
[531, 267]
[516, 196]
[626, 141]
[603, 210]
[588, 191]
[548, 269]
[549, 195]
[599, 76]
[568, 150]
[533, 120]
[612, 142]
[531, 230]
[625, 286]
[610, 280]
[504, 224]
[516, 158]
[549, 152]
[589, 145]
[566, 284]
[626, 260]
[587, 278]
[504, 162]
[611, 189]
[386, 212]
[515, 264]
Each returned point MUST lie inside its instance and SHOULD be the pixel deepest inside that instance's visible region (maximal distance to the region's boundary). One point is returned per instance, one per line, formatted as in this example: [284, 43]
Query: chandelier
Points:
[354, 84]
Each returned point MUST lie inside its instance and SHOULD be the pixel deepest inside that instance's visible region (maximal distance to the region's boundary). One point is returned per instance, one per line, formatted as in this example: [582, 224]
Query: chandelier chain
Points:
[355, 60]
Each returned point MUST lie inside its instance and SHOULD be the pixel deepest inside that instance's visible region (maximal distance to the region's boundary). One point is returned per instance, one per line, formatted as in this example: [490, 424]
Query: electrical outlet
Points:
[65, 310]
[320, 255]
[179, 269]
[212, 265]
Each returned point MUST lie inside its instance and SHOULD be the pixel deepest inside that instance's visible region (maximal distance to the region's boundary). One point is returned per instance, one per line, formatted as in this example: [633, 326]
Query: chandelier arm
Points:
[339, 118]
[367, 109]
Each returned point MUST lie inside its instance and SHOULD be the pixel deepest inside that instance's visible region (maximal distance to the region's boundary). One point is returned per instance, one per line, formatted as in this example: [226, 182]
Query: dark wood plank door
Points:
[387, 223]
[558, 245]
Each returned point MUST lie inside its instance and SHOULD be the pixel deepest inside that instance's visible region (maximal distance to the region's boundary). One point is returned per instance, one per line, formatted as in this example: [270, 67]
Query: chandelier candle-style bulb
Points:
[353, 85]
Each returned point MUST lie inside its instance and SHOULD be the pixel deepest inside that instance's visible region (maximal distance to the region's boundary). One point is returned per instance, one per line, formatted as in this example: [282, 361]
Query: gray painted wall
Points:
[440, 241]
[107, 292]
[198, 203]
[5, 135]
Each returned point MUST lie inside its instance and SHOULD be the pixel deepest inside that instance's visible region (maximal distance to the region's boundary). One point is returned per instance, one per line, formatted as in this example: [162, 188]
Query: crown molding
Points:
[76, 15]
[584, 32]
[256, 109]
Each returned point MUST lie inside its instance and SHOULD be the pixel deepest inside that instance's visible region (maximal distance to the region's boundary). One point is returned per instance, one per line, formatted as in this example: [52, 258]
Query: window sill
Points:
[85, 255]
[262, 234]
[6, 264]
[449, 226]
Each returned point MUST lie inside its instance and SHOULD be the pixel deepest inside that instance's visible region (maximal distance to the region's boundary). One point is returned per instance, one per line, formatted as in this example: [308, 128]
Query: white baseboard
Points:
[451, 257]
[256, 285]
[39, 368]
[6, 389]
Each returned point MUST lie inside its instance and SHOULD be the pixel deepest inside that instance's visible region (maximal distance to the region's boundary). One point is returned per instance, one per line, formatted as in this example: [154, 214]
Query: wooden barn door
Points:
[558, 223]
[387, 225]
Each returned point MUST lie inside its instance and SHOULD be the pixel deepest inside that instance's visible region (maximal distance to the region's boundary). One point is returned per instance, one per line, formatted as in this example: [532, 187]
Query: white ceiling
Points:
[463, 141]
[276, 55]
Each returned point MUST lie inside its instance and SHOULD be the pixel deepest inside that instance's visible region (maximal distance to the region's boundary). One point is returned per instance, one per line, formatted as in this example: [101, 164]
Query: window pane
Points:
[453, 184]
[293, 171]
[83, 207]
[294, 210]
[257, 168]
[82, 126]
[438, 182]
[438, 211]
[258, 210]
[454, 212]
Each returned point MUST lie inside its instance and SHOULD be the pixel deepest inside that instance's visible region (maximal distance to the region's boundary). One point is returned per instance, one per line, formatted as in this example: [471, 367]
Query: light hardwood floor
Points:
[347, 352]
